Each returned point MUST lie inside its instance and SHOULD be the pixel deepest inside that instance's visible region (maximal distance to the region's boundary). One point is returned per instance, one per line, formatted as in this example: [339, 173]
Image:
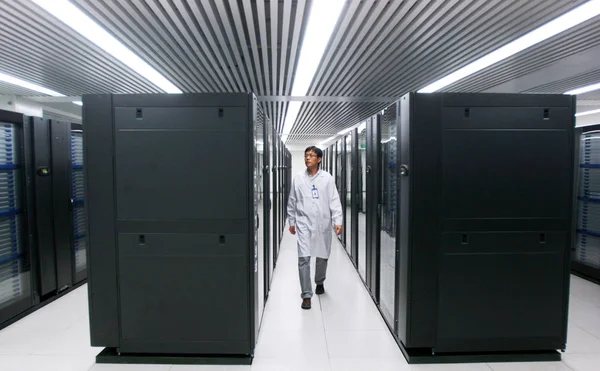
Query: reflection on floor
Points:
[343, 332]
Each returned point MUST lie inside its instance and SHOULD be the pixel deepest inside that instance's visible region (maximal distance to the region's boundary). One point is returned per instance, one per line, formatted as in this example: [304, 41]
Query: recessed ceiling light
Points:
[77, 20]
[585, 113]
[566, 21]
[28, 85]
[323, 17]
[584, 89]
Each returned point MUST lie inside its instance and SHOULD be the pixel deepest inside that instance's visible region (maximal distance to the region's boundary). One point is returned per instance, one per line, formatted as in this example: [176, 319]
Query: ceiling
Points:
[379, 51]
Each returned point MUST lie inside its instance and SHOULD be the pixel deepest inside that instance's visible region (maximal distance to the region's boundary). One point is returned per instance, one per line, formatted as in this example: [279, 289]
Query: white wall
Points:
[297, 162]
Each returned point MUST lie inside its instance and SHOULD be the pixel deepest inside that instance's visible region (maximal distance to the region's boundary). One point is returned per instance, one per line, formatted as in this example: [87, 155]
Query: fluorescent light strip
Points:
[581, 126]
[78, 102]
[585, 113]
[28, 85]
[568, 20]
[323, 17]
[584, 89]
[290, 118]
[77, 20]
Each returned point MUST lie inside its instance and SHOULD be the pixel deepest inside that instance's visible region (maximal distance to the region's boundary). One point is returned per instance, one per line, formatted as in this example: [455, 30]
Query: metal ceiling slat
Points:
[424, 65]
[543, 54]
[292, 60]
[274, 16]
[281, 116]
[327, 114]
[392, 31]
[231, 50]
[592, 95]
[167, 24]
[307, 123]
[254, 44]
[285, 34]
[570, 83]
[456, 15]
[219, 46]
[513, 29]
[58, 81]
[407, 43]
[264, 45]
[539, 56]
[74, 48]
[330, 114]
[447, 56]
[415, 18]
[53, 47]
[364, 43]
[242, 34]
[136, 33]
[340, 39]
[194, 31]
[303, 113]
[112, 16]
[61, 81]
[246, 67]
[140, 10]
[295, 46]
[10, 89]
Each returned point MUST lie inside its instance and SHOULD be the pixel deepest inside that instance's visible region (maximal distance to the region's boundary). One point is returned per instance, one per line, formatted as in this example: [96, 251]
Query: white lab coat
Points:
[312, 212]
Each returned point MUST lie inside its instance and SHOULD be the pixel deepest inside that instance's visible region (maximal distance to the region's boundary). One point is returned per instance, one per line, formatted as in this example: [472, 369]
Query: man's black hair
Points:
[315, 150]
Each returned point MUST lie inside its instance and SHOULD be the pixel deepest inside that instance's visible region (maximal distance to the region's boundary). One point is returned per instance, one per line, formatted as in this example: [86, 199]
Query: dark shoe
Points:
[306, 303]
[320, 290]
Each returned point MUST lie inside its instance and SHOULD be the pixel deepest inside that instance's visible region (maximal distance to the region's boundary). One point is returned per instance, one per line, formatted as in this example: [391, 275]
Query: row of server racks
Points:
[42, 213]
[459, 223]
[195, 187]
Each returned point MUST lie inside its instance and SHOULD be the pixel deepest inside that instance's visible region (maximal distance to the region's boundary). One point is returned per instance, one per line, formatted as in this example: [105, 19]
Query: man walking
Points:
[313, 203]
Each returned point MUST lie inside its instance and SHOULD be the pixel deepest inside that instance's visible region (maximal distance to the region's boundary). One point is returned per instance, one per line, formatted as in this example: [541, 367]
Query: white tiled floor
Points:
[343, 332]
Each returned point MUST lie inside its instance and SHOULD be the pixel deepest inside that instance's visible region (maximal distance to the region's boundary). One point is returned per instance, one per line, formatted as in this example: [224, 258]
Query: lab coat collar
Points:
[316, 175]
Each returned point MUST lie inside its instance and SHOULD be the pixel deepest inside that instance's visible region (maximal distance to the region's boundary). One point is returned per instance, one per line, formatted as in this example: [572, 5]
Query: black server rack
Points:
[17, 275]
[38, 258]
[485, 218]
[586, 239]
[57, 161]
[78, 204]
[171, 206]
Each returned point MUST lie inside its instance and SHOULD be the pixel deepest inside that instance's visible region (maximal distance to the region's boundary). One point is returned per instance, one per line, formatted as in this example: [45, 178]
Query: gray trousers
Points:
[304, 270]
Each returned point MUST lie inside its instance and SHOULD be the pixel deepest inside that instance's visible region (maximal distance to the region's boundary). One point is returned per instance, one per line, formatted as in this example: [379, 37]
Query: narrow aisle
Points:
[342, 331]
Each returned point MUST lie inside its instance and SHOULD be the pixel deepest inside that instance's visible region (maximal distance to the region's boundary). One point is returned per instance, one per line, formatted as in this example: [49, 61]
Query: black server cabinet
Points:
[60, 220]
[265, 146]
[171, 203]
[349, 194]
[275, 195]
[373, 185]
[486, 184]
[355, 197]
[77, 204]
[387, 213]
[585, 255]
[17, 258]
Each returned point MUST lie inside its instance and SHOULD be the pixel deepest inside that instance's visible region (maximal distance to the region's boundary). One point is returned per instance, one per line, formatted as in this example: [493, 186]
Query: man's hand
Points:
[338, 230]
[293, 229]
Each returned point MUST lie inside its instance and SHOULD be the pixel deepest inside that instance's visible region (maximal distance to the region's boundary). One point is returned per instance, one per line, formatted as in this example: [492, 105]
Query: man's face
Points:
[311, 159]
